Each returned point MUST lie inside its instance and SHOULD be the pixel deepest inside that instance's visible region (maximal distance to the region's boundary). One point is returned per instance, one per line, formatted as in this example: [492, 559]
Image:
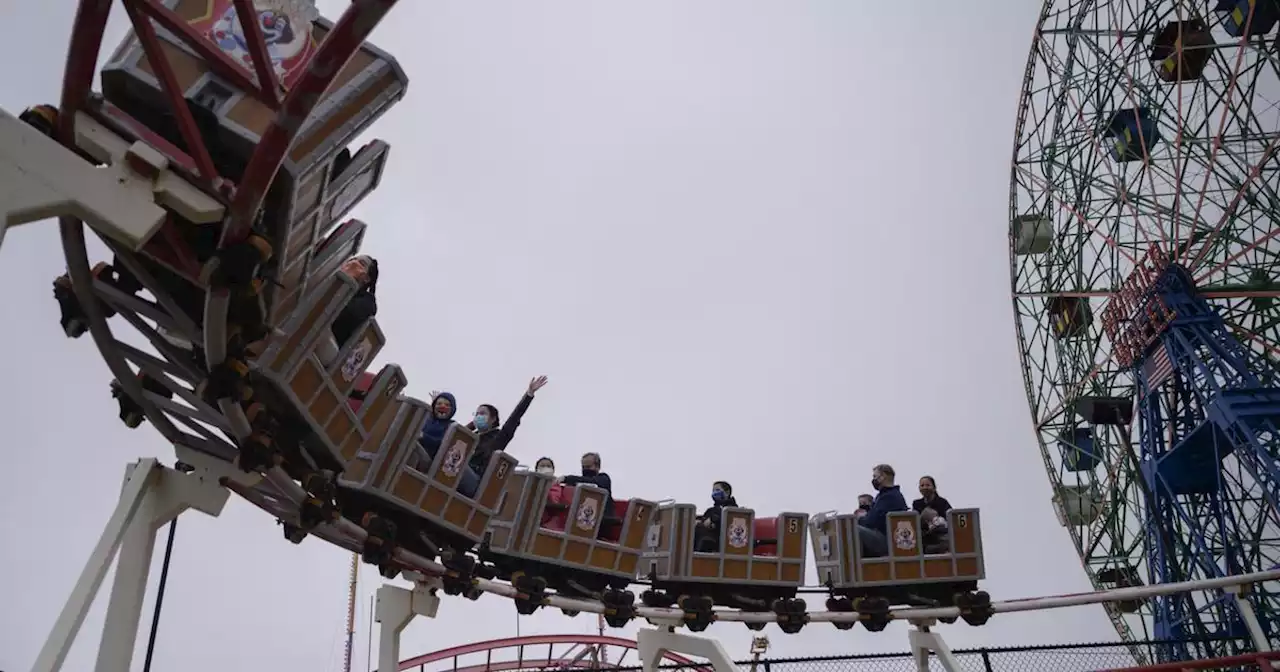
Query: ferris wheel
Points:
[1143, 249]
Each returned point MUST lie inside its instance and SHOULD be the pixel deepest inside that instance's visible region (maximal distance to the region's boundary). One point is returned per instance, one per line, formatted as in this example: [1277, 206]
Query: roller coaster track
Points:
[275, 492]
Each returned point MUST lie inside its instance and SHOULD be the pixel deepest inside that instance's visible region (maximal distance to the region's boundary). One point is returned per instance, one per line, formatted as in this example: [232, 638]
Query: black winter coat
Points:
[358, 310]
[493, 440]
[939, 504]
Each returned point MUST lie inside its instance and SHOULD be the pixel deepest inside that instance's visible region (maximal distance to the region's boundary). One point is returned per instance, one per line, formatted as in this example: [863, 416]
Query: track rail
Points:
[283, 503]
[524, 661]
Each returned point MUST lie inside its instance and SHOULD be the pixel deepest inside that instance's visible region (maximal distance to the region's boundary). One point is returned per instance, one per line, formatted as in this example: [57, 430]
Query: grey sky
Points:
[760, 242]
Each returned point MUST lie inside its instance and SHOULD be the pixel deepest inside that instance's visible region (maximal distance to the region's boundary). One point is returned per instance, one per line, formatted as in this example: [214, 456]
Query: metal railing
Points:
[1089, 657]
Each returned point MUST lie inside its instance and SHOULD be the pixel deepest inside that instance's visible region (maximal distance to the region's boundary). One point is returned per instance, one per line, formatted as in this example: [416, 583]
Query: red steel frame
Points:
[419, 662]
[244, 199]
[323, 66]
[1258, 661]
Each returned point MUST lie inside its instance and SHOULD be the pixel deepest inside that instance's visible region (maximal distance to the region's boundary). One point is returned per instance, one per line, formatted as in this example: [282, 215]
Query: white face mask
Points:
[546, 470]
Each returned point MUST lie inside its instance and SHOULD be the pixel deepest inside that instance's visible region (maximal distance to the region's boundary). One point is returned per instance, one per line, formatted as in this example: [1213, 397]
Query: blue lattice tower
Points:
[1209, 410]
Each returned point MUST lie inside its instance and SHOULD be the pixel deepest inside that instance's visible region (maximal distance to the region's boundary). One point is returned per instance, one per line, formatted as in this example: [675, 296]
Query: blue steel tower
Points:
[1209, 421]
[1144, 248]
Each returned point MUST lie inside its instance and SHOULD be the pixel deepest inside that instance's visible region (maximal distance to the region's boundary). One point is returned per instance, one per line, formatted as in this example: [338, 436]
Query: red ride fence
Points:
[1095, 657]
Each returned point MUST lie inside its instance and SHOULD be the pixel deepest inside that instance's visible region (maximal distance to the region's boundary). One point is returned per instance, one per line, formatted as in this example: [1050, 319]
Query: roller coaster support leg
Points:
[1261, 643]
[925, 642]
[152, 496]
[41, 179]
[653, 644]
[396, 608]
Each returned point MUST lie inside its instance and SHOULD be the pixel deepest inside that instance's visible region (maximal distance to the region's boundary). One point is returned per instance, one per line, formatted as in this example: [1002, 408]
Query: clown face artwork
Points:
[285, 26]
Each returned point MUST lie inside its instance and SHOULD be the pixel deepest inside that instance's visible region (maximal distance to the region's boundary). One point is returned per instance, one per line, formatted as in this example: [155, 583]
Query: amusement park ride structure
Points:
[1143, 259]
[145, 182]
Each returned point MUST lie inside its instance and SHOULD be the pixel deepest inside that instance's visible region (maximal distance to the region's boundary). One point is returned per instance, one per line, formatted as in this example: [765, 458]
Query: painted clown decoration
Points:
[285, 27]
[453, 459]
[738, 534]
[586, 519]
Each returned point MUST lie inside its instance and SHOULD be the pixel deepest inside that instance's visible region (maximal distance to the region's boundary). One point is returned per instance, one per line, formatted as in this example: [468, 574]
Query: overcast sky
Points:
[759, 242]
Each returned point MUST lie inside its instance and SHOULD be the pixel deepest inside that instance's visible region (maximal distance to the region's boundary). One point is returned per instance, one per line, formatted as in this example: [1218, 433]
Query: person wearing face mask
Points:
[493, 434]
[706, 534]
[872, 533]
[555, 494]
[864, 505]
[591, 475]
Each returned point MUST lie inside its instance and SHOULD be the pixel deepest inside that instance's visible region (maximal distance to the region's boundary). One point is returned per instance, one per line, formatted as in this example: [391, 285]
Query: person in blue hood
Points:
[443, 407]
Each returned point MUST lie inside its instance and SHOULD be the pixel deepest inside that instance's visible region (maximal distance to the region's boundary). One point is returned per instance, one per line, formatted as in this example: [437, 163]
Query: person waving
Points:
[493, 434]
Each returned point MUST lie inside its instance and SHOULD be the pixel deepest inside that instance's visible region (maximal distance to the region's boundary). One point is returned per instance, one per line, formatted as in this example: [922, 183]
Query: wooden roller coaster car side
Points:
[319, 182]
[563, 535]
[760, 559]
[309, 372]
[907, 575]
[373, 444]
[400, 475]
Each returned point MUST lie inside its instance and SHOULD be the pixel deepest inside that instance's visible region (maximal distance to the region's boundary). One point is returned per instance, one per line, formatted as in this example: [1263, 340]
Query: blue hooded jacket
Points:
[433, 431]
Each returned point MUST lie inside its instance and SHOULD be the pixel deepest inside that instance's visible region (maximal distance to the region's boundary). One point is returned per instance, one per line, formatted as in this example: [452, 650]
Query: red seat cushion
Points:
[559, 497]
[363, 383]
[766, 536]
[612, 532]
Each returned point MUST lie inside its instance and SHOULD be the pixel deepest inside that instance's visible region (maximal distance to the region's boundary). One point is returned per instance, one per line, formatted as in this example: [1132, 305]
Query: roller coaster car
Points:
[358, 424]
[395, 480]
[563, 535]
[304, 369]
[760, 559]
[319, 181]
[908, 575]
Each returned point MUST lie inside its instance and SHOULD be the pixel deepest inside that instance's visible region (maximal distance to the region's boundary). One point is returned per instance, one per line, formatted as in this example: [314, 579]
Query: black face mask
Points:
[864, 507]
[875, 483]
[588, 473]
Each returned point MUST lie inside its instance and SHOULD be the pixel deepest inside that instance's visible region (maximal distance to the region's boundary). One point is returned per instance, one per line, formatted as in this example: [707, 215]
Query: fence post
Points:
[986, 661]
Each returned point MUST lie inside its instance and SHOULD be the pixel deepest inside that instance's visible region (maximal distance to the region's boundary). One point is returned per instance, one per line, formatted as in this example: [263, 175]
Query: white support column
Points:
[396, 608]
[653, 644]
[152, 496]
[1260, 641]
[924, 642]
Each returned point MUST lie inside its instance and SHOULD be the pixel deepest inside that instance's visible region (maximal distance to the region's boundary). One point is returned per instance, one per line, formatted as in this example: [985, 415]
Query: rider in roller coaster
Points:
[872, 528]
[706, 536]
[493, 434]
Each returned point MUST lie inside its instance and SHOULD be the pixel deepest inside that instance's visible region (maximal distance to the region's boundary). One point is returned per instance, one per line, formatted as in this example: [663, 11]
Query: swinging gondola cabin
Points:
[1181, 50]
[916, 569]
[756, 560]
[373, 444]
[565, 535]
[1247, 17]
[319, 181]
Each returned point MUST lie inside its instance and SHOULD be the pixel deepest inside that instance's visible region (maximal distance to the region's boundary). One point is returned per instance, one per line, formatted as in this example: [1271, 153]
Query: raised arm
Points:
[513, 421]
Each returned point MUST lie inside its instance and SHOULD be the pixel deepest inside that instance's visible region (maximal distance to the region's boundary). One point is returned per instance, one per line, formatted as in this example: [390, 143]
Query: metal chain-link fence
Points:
[1062, 658]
